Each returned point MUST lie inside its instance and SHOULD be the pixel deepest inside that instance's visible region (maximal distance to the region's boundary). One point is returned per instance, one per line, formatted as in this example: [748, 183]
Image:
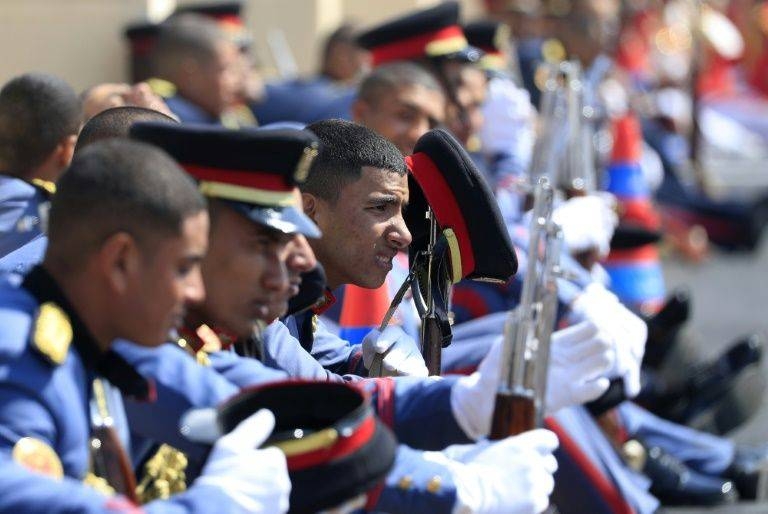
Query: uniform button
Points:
[405, 483]
[433, 486]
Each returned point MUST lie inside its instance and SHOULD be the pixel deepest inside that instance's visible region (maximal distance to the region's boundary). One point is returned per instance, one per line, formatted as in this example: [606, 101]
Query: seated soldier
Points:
[108, 124]
[202, 63]
[127, 233]
[39, 120]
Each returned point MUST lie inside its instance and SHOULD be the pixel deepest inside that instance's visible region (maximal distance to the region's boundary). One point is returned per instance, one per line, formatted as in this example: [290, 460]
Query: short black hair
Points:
[345, 148]
[116, 122]
[345, 34]
[385, 79]
[37, 112]
[115, 186]
[186, 36]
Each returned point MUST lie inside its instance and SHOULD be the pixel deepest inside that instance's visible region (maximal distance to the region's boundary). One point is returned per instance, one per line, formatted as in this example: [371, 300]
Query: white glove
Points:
[473, 396]
[580, 358]
[397, 352]
[626, 332]
[256, 480]
[511, 476]
[588, 222]
[509, 121]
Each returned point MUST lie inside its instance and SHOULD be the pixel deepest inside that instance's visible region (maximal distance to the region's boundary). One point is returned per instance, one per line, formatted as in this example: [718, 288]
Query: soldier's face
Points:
[244, 272]
[214, 83]
[300, 259]
[166, 282]
[465, 117]
[403, 115]
[363, 230]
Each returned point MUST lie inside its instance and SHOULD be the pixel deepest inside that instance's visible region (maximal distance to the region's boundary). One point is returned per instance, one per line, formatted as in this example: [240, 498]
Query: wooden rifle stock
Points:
[513, 414]
[524, 356]
[110, 461]
[432, 345]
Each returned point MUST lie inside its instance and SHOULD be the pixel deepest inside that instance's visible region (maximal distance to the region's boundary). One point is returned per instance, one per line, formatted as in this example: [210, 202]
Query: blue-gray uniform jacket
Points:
[48, 362]
[189, 112]
[23, 212]
[417, 409]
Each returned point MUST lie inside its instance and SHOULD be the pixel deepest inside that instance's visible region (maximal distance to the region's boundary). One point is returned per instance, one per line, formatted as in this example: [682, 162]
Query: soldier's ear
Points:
[309, 204]
[65, 150]
[118, 260]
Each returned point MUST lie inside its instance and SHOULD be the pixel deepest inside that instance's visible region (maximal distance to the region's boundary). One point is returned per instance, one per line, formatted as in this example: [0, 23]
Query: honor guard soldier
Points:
[202, 64]
[111, 123]
[127, 233]
[39, 120]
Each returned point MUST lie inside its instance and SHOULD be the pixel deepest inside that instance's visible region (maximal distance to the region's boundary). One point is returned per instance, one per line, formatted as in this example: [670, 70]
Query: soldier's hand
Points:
[394, 352]
[510, 476]
[256, 480]
[588, 222]
[626, 332]
[581, 356]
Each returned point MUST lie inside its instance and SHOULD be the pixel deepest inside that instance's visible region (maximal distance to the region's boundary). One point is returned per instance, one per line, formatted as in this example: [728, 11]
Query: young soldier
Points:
[201, 62]
[127, 233]
[39, 120]
[108, 124]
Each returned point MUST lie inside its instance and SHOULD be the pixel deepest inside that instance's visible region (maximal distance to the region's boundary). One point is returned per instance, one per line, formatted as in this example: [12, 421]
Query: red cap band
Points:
[444, 204]
[412, 47]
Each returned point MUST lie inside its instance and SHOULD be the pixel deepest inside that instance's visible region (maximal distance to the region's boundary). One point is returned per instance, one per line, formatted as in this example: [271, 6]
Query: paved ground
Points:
[730, 298]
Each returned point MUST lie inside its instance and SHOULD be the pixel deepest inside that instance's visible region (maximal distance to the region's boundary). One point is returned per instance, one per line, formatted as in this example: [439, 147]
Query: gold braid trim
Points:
[164, 475]
[99, 484]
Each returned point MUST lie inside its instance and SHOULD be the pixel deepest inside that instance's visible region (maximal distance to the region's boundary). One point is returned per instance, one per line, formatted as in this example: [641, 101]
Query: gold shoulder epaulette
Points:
[52, 333]
[47, 185]
[161, 87]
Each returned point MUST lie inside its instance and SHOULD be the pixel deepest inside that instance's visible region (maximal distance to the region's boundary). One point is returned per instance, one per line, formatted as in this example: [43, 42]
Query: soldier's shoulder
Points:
[14, 188]
[17, 311]
[41, 333]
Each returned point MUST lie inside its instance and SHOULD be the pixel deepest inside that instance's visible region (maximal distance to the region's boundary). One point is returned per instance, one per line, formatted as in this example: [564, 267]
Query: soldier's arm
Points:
[284, 351]
[337, 354]
[32, 493]
[415, 484]
[417, 409]
[23, 415]
[243, 371]
[181, 384]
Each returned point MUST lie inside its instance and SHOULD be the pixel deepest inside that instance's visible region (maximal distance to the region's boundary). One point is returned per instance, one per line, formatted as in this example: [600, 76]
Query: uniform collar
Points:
[108, 364]
[325, 303]
[206, 338]
[46, 187]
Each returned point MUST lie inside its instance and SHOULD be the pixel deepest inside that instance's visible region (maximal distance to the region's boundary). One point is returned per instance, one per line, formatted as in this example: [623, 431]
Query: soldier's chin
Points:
[274, 311]
[373, 279]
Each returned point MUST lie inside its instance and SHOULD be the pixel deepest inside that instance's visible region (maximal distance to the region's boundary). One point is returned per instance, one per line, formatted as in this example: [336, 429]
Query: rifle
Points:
[519, 404]
[577, 171]
[430, 284]
[108, 457]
